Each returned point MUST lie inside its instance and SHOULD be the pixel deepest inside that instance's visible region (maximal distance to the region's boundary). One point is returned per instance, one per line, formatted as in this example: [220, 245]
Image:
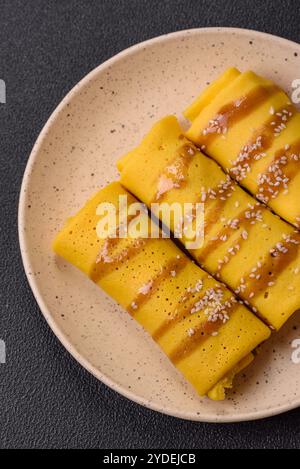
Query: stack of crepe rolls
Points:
[249, 126]
[245, 245]
[252, 129]
[200, 325]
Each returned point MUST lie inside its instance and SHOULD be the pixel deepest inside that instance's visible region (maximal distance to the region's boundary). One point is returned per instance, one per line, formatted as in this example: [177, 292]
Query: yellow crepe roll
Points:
[250, 126]
[206, 333]
[245, 245]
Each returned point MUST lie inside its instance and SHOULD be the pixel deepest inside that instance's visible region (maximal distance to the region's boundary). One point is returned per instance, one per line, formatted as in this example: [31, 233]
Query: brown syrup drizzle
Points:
[183, 308]
[273, 267]
[285, 162]
[252, 151]
[100, 269]
[184, 157]
[226, 231]
[218, 208]
[235, 111]
[201, 333]
[181, 163]
[218, 204]
[173, 265]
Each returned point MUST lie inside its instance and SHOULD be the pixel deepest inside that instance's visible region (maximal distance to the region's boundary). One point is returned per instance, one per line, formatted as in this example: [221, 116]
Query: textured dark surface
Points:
[46, 398]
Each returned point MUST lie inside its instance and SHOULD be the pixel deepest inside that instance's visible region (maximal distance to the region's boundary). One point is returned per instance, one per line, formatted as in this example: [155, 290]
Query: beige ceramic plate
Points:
[104, 116]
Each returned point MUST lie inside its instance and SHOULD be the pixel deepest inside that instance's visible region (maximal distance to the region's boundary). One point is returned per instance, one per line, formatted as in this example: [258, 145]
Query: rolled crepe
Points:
[249, 125]
[245, 245]
[207, 334]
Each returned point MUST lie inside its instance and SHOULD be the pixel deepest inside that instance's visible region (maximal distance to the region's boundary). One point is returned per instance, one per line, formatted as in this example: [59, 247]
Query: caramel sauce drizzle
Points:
[100, 269]
[184, 308]
[235, 111]
[260, 142]
[222, 193]
[243, 222]
[284, 167]
[201, 333]
[173, 265]
[182, 162]
[176, 171]
[276, 263]
[218, 207]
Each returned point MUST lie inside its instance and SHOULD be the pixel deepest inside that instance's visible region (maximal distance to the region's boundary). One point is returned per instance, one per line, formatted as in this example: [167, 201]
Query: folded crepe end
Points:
[154, 137]
[218, 392]
[192, 111]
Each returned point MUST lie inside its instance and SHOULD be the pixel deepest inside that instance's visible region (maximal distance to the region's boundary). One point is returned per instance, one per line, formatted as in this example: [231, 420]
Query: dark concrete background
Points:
[46, 398]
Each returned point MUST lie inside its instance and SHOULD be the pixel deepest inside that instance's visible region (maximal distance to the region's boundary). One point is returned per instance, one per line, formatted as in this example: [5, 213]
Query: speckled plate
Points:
[104, 116]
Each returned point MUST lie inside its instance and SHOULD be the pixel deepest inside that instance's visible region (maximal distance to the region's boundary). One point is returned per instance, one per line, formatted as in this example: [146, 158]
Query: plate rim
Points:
[63, 339]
